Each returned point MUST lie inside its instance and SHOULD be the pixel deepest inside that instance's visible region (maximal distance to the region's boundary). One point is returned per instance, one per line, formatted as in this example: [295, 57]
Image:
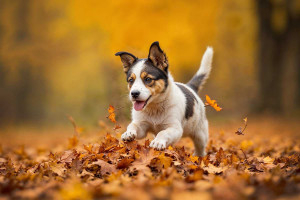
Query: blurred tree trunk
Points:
[279, 44]
[22, 84]
[22, 88]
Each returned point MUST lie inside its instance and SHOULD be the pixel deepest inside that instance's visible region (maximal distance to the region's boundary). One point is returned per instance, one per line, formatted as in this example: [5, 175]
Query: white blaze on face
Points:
[139, 86]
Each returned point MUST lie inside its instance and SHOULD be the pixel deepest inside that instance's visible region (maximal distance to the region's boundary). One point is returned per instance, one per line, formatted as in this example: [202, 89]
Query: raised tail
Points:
[203, 73]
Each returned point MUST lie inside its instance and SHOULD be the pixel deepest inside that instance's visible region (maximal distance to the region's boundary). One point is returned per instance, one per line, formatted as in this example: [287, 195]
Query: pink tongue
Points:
[138, 105]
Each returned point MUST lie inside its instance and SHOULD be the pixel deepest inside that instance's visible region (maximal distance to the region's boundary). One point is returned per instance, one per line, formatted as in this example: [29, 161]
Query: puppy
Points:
[162, 106]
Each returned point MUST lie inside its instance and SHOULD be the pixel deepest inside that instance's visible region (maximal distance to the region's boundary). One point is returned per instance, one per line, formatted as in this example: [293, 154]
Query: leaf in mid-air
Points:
[112, 115]
[241, 130]
[212, 103]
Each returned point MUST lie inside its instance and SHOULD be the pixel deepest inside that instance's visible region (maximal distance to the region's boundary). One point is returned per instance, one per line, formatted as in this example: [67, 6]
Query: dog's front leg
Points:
[135, 130]
[167, 137]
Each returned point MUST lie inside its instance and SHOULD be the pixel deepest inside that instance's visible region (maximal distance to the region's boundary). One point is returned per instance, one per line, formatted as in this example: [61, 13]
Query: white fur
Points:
[167, 118]
[205, 66]
[138, 83]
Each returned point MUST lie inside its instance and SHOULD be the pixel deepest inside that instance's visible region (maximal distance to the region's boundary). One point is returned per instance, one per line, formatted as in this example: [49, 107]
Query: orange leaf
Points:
[112, 115]
[117, 127]
[212, 103]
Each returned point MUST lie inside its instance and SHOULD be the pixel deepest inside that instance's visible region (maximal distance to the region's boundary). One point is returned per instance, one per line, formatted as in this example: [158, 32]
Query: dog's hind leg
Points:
[200, 138]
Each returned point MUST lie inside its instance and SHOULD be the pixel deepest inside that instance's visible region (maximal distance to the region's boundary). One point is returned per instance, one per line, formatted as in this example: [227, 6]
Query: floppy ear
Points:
[158, 57]
[127, 59]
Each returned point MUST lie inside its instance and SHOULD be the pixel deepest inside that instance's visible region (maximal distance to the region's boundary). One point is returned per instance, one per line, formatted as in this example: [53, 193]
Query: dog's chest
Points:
[156, 122]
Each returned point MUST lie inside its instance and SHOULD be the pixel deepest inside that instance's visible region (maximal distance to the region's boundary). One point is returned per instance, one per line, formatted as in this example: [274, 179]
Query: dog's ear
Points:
[127, 59]
[158, 57]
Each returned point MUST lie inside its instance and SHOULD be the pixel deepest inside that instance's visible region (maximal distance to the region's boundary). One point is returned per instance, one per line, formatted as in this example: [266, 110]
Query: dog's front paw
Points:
[129, 136]
[158, 144]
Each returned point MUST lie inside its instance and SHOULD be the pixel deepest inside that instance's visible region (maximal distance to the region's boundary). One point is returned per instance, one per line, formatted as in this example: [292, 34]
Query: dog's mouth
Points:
[139, 105]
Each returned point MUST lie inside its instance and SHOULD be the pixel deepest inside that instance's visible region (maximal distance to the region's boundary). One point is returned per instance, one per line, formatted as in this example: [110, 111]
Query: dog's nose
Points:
[135, 94]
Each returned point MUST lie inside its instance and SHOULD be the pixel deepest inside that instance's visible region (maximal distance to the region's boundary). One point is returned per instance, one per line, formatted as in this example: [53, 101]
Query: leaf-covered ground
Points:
[263, 163]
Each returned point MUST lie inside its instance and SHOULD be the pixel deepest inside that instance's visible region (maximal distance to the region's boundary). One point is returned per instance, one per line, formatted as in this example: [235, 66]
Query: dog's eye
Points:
[148, 80]
[130, 80]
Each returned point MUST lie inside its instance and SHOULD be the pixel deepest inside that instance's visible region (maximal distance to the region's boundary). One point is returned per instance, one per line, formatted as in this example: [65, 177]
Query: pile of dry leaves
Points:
[135, 171]
[232, 169]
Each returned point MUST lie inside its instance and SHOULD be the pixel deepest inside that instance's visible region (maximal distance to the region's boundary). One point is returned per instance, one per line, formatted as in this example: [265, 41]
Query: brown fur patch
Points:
[146, 75]
[143, 75]
[156, 87]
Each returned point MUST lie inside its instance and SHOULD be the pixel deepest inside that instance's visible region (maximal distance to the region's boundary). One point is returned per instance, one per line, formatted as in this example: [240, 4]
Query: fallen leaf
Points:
[105, 167]
[268, 160]
[124, 163]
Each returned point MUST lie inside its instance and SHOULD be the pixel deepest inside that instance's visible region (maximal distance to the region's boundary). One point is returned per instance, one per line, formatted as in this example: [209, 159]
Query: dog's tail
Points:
[203, 73]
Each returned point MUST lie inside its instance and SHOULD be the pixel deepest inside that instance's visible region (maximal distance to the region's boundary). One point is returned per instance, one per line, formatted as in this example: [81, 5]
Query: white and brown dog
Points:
[162, 106]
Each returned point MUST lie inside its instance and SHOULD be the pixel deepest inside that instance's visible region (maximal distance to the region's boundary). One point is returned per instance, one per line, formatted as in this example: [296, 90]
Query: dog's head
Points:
[147, 78]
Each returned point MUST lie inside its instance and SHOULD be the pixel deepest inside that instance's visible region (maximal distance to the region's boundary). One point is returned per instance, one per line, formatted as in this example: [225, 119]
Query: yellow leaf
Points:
[165, 160]
[74, 189]
[246, 144]
[268, 160]
[245, 120]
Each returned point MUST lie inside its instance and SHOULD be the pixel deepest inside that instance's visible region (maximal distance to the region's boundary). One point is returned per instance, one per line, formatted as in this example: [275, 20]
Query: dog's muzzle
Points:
[139, 105]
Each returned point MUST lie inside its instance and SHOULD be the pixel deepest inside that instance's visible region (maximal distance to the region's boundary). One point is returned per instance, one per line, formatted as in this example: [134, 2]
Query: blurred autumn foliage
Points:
[57, 57]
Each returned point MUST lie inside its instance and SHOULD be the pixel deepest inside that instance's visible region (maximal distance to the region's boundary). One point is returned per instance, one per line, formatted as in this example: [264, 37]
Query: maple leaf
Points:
[212, 103]
[164, 161]
[143, 159]
[112, 115]
[124, 163]
[241, 130]
[109, 143]
[105, 167]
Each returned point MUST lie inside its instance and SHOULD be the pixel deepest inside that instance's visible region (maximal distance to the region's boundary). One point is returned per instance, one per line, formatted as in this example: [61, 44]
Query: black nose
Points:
[135, 94]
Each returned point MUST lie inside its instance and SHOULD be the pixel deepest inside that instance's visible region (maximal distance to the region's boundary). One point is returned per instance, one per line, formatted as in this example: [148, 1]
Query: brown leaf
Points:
[105, 167]
[143, 159]
[68, 156]
[241, 130]
[124, 163]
